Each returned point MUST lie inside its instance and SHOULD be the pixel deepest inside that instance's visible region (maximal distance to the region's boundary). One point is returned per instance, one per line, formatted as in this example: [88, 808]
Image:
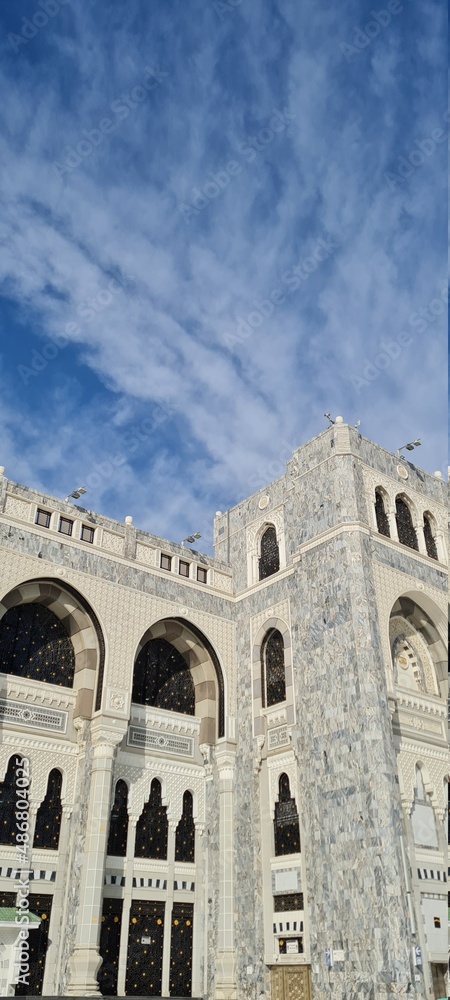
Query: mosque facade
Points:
[230, 772]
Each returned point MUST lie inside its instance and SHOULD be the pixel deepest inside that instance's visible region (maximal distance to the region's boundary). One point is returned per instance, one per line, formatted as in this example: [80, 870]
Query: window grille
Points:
[8, 898]
[109, 946]
[41, 905]
[288, 902]
[273, 668]
[87, 533]
[166, 561]
[430, 541]
[183, 568]
[152, 827]
[49, 815]
[145, 949]
[405, 528]
[118, 826]
[185, 833]
[286, 824]
[269, 562]
[43, 518]
[162, 678]
[65, 526]
[202, 574]
[8, 798]
[35, 644]
[181, 950]
[381, 516]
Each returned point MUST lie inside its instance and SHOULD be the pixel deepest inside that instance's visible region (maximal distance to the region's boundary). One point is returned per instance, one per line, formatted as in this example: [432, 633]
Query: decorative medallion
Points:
[403, 473]
[263, 503]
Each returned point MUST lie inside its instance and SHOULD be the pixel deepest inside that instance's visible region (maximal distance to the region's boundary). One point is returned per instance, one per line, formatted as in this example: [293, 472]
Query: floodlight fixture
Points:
[191, 538]
[410, 446]
[76, 494]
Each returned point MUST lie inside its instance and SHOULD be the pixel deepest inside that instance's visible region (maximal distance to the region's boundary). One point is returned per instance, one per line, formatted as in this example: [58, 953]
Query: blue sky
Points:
[220, 220]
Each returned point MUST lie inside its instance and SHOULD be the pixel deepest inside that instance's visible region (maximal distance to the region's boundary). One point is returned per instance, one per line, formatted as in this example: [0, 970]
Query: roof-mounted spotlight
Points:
[76, 494]
[191, 538]
[409, 447]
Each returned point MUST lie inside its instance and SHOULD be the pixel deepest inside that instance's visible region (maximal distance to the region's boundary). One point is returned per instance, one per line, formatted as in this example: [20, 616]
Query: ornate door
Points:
[290, 982]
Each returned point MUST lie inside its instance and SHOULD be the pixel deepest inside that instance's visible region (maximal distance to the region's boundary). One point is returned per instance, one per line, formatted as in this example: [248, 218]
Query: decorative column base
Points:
[83, 968]
[226, 988]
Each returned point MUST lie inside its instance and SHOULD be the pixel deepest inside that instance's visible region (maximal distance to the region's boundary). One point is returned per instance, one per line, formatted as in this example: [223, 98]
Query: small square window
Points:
[437, 921]
[65, 526]
[43, 518]
[87, 534]
[202, 574]
[166, 561]
[183, 568]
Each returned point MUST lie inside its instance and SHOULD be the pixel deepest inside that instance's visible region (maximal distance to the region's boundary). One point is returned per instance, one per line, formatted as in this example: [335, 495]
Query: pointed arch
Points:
[8, 801]
[269, 556]
[203, 665]
[185, 832]
[273, 668]
[382, 519]
[406, 531]
[49, 815]
[118, 823]
[152, 826]
[81, 625]
[429, 534]
[286, 821]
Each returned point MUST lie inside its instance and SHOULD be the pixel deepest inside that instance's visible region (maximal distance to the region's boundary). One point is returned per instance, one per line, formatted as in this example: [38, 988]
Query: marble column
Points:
[226, 964]
[85, 960]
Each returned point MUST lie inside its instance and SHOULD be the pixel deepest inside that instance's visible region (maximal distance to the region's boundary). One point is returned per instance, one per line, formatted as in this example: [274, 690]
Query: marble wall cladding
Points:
[78, 823]
[211, 849]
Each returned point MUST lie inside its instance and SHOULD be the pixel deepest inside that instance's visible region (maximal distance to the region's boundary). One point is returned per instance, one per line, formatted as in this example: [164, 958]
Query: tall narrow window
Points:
[162, 678]
[430, 540]
[269, 562]
[273, 669]
[8, 796]
[118, 826]
[286, 824]
[34, 644]
[381, 516]
[185, 834]
[152, 826]
[406, 530]
[48, 819]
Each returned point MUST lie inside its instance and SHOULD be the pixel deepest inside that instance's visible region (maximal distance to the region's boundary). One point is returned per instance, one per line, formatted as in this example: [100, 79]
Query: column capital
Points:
[103, 735]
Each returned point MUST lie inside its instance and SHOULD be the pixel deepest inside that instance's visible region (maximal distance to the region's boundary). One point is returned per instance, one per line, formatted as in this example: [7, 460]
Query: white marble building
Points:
[238, 765]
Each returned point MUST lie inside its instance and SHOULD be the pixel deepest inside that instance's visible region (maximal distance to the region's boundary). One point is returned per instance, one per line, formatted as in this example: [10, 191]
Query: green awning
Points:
[8, 915]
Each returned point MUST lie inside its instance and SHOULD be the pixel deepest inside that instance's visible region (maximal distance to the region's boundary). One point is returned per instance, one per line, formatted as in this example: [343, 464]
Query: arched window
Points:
[185, 833]
[272, 668]
[49, 815]
[8, 798]
[405, 528]
[118, 824]
[162, 678]
[430, 541]
[380, 514]
[269, 562]
[35, 644]
[286, 825]
[152, 826]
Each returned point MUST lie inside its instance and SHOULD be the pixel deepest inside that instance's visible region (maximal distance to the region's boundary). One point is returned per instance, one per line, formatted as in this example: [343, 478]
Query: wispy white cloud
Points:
[181, 288]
